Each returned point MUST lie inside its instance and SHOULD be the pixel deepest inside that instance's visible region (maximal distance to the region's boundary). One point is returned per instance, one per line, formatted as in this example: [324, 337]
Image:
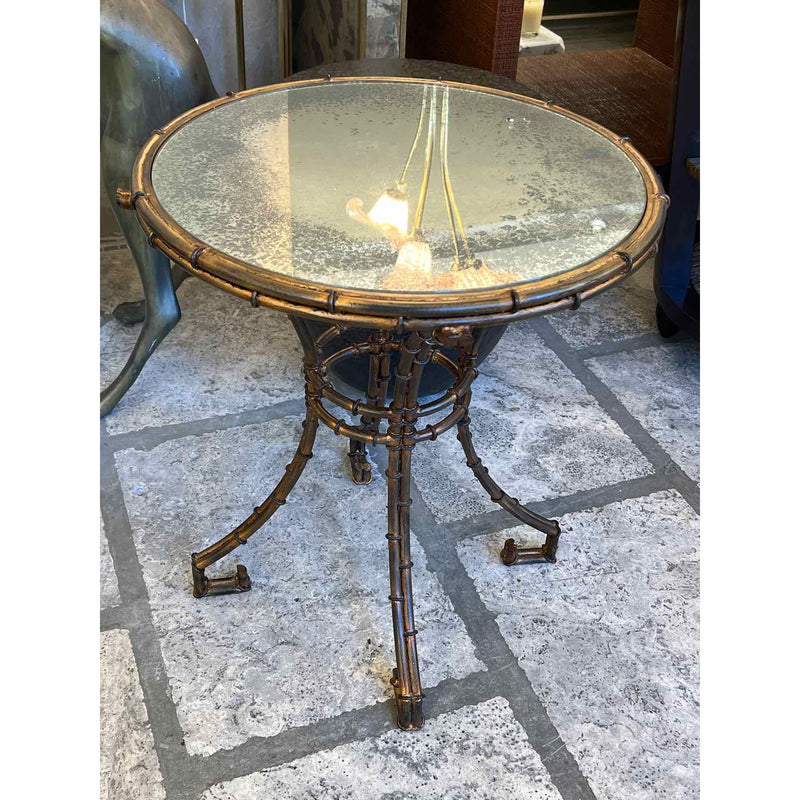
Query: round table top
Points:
[397, 197]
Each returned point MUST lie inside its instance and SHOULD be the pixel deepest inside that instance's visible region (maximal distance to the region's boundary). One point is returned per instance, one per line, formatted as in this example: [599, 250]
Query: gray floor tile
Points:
[537, 429]
[313, 638]
[627, 309]
[129, 767]
[109, 588]
[608, 637]
[660, 386]
[223, 357]
[474, 753]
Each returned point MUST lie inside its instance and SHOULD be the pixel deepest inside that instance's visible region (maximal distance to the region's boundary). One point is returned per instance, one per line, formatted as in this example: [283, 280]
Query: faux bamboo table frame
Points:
[417, 327]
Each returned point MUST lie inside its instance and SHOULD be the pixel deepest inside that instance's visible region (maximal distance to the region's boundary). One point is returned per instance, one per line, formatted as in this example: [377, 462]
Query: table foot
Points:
[134, 311]
[512, 554]
[240, 582]
[233, 584]
[360, 468]
[409, 708]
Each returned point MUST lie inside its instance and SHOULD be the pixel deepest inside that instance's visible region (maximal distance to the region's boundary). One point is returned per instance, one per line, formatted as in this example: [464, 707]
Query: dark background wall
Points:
[559, 7]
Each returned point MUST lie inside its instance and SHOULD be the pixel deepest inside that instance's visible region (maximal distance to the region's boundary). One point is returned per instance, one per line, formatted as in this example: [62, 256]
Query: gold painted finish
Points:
[417, 327]
[381, 309]
[400, 435]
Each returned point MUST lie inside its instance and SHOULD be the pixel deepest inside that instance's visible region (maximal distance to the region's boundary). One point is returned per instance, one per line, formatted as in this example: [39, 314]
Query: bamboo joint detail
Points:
[395, 426]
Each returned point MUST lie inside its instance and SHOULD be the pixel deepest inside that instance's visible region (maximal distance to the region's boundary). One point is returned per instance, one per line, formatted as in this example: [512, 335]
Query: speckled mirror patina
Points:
[268, 180]
[425, 214]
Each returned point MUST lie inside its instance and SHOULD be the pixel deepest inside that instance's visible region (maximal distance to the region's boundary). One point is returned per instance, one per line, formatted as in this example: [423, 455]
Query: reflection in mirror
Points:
[398, 185]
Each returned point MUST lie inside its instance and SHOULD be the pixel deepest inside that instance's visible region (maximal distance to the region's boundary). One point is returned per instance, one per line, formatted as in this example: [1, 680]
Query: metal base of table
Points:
[401, 434]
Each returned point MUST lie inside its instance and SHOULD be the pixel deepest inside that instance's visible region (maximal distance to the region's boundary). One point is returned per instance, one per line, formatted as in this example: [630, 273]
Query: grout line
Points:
[498, 519]
[629, 345]
[491, 647]
[161, 712]
[112, 619]
[118, 531]
[126, 616]
[611, 404]
[186, 777]
[148, 438]
[259, 753]
[686, 487]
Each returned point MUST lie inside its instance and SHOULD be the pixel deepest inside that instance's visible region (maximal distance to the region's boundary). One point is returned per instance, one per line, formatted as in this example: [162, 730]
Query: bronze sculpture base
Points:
[412, 351]
[152, 70]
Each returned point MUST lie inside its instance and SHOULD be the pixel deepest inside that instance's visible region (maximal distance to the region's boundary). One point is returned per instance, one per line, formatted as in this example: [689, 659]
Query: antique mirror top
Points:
[399, 186]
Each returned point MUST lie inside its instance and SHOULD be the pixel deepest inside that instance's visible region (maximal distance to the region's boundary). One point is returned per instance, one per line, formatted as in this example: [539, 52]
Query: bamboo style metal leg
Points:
[240, 581]
[360, 467]
[395, 426]
[414, 354]
[511, 554]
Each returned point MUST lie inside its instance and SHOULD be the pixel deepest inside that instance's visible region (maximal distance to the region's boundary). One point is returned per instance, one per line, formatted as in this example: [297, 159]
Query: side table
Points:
[262, 194]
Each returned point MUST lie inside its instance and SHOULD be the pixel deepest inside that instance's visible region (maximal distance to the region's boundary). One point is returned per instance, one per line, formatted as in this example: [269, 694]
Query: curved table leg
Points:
[240, 582]
[511, 553]
[416, 349]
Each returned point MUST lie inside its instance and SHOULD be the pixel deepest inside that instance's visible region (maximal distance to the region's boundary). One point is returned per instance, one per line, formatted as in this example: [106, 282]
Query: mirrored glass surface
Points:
[398, 186]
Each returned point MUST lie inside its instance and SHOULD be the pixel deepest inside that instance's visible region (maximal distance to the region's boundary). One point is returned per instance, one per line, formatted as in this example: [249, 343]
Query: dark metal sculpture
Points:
[151, 71]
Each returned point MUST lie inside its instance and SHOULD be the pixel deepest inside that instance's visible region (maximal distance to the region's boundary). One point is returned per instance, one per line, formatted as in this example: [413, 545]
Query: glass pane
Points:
[295, 181]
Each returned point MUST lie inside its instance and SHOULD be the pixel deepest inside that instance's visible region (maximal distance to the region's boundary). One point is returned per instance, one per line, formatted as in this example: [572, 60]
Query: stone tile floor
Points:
[572, 681]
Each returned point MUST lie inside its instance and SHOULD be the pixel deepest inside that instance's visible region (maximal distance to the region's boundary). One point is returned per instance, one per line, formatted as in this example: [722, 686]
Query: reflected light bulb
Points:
[391, 209]
[412, 270]
[415, 255]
